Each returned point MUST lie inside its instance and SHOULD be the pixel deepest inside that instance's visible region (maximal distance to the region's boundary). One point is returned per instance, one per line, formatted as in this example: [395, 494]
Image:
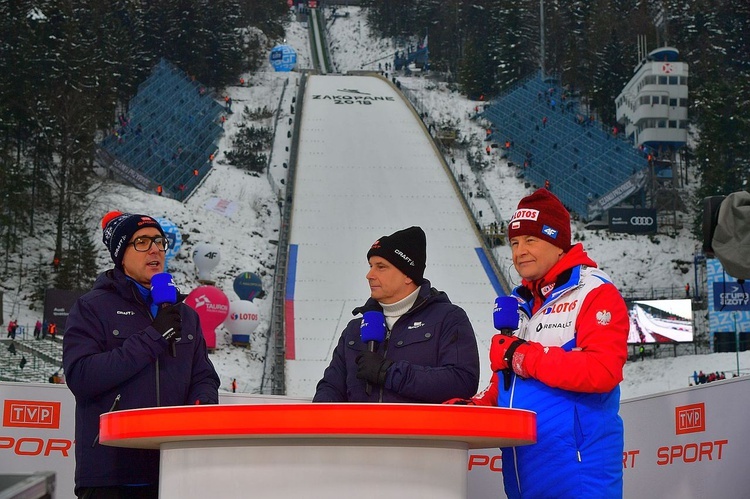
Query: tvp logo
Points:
[31, 414]
[690, 418]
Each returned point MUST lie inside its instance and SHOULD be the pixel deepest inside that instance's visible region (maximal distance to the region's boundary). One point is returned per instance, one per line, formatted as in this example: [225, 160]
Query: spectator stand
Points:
[552, 139]
[43, 359]
[418, 55]
[168, 135]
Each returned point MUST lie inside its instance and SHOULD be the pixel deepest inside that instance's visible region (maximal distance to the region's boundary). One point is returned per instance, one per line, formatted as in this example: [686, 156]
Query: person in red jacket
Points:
[564, 362]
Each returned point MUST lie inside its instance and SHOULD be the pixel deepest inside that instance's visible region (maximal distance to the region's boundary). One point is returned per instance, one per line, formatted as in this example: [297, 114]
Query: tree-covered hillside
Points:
[68, 68]
[487, 45]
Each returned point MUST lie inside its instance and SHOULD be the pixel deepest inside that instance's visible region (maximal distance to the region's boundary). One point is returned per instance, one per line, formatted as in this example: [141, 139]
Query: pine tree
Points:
[78, 265]
[40, 280]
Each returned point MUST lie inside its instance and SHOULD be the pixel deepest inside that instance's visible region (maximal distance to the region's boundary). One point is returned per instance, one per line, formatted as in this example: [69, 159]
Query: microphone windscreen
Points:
[372, 327]
[505, 315]
[163, 289]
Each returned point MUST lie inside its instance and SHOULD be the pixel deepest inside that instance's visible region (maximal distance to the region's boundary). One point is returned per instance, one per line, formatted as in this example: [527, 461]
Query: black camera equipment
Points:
[726, 232]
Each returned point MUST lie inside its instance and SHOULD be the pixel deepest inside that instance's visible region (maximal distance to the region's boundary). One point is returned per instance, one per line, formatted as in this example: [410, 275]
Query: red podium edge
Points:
[478, 427]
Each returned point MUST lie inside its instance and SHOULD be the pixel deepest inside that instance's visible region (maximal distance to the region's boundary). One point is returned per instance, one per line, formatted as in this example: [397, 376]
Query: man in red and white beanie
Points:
[542, 215]
[564, 362]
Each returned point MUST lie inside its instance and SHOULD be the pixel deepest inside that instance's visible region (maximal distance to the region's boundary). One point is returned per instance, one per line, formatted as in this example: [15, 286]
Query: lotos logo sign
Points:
[690, 418]
[31, 414]
[244, 317]
[561, 307]
[525, 214]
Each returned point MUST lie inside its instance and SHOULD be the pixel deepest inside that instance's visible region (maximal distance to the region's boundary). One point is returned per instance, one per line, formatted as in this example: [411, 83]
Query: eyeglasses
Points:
[143, 243]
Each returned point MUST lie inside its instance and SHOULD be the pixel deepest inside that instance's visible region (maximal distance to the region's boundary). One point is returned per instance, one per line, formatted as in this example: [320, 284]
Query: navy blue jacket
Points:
[110, 349]
[433, 349]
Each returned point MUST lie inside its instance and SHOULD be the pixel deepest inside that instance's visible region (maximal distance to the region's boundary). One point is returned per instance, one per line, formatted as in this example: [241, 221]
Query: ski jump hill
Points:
[365, 168]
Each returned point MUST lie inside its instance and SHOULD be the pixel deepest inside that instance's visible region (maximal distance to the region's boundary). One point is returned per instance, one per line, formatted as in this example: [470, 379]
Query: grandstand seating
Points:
[581, 160]
[419, 56]
[43, 359]
[168, 135]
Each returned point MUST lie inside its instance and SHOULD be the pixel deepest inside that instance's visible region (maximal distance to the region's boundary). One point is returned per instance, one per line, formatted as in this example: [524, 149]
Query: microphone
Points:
[372, 332]
[505, 320]
[164, 294]
[505, 315]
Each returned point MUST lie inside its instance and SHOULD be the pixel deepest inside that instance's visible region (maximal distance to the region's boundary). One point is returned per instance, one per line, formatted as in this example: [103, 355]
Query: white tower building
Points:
[653, 106]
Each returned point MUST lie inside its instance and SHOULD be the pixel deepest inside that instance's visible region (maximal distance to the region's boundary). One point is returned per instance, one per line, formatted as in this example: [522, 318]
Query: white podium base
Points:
[304, 467]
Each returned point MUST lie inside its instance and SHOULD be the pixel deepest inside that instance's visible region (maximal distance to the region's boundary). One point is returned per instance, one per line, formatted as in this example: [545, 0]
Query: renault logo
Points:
[641, 220]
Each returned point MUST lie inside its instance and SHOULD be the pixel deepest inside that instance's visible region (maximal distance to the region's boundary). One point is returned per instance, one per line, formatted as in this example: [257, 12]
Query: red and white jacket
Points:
[576, 325]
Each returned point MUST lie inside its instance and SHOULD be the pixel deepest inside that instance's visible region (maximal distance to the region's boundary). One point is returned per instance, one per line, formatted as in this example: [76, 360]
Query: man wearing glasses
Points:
[117, 355]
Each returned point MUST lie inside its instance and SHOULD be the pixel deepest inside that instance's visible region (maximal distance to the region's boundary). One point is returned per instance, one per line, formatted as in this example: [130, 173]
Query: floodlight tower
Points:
[541, 37]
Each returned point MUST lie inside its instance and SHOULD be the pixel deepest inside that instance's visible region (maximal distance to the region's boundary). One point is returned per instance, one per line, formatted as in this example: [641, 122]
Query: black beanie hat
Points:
[406, 250]
[119, 229]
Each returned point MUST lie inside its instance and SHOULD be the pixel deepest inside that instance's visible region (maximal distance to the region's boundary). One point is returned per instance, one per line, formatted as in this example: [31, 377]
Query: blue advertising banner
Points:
[728, 301]
[730, 296]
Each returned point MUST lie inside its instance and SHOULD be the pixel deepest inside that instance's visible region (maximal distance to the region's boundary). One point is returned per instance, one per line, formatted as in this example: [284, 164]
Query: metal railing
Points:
[274, 372]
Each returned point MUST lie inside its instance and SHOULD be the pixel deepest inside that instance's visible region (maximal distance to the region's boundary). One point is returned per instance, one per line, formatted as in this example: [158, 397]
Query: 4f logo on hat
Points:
[550, 232]
[525, 214]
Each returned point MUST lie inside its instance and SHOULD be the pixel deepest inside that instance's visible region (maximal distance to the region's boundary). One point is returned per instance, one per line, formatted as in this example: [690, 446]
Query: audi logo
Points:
[641, 221]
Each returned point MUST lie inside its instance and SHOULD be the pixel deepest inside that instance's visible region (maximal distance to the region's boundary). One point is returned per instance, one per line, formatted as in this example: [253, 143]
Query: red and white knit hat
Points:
[542, 215]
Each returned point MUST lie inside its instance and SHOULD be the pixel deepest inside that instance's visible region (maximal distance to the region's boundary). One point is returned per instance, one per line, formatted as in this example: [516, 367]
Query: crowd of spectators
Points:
[700, 378]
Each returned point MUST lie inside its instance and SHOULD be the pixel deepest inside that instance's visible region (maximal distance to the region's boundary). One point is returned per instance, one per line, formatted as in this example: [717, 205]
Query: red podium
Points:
[316, 450]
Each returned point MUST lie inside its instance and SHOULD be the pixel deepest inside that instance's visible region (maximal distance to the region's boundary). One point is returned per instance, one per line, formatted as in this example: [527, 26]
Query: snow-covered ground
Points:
[247, 238]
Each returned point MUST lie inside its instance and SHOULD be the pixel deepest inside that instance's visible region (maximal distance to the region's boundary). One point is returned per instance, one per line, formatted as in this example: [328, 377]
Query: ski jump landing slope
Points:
[366, 168]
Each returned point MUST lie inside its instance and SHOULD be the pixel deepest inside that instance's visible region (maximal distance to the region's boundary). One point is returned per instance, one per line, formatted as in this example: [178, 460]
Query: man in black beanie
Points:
[123, 351]
[429, 351]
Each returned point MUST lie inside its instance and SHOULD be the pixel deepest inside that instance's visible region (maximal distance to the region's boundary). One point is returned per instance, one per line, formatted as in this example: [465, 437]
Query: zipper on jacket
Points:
[113, 408]
[158, 388]
[513, 449]
[414, 308]
[139, 299]
[515, 470]
[385, 354]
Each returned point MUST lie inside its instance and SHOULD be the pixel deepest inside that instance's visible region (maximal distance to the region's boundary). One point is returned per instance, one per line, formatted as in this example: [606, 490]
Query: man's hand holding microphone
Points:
[502, 349]
[505, 345]
[371, 366]
[168, 321]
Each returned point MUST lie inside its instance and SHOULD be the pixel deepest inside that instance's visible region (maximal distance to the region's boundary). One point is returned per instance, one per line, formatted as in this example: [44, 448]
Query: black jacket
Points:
[433, 348]
[110, 349]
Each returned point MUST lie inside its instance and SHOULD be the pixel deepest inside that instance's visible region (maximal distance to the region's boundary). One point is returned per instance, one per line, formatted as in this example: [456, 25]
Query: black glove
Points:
[372, 367]
[168, 322]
